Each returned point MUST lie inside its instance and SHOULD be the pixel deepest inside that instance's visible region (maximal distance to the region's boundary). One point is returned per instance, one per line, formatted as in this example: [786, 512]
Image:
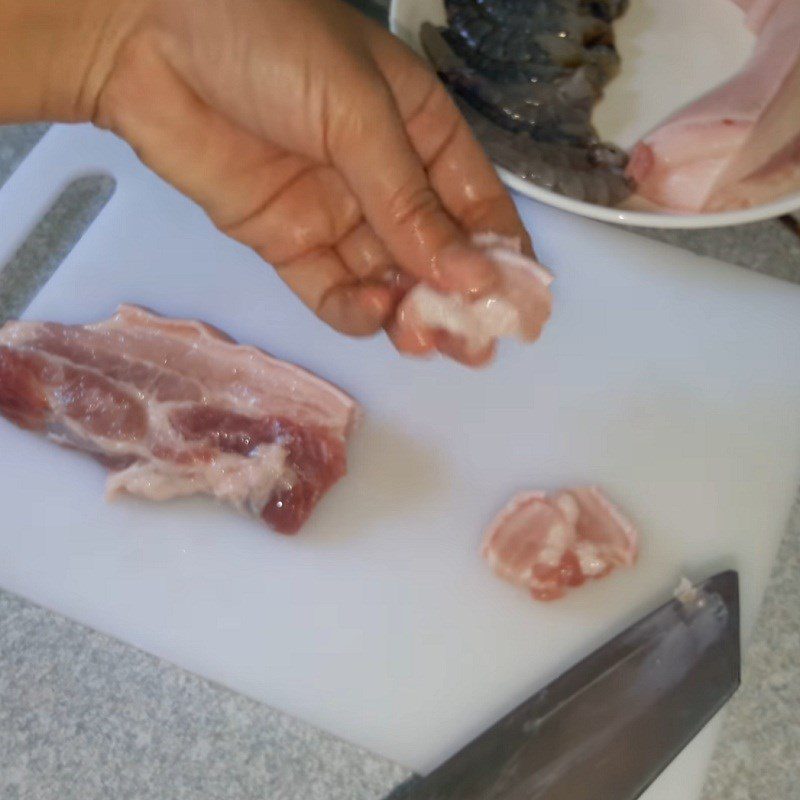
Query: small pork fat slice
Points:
[550, 543]
[518, 307]
[175, 407]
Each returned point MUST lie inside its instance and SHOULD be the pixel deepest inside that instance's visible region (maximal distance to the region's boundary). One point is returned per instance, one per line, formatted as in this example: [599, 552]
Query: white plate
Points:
[671, 53]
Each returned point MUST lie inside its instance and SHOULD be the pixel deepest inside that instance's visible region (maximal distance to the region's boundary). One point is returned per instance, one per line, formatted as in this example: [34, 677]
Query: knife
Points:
[610, 725]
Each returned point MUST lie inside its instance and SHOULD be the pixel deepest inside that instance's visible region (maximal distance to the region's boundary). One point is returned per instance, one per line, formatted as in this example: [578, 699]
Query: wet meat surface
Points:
[549, 544]
[467, 328]
[175, 408]
[528, 74]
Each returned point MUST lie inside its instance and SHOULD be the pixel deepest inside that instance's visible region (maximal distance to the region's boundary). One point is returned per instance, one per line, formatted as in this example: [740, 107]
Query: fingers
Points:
[365, 254]
[295, 214]
[415, 340]
[338, 232]
[453, 347]
[257, 193]
[370, 146]
[323, 282]
[459, 170]
[307, 208]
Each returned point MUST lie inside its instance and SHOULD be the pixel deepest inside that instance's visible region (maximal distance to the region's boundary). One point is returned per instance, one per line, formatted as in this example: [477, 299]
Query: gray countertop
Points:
[84, 716]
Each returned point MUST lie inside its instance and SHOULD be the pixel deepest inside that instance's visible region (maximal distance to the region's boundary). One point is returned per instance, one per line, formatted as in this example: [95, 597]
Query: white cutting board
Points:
[672, 380]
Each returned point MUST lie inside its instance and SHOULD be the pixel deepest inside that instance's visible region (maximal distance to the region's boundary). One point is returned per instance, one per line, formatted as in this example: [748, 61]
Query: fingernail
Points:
[463, 268]
[453, 347]
[410, 337]
[376, 301]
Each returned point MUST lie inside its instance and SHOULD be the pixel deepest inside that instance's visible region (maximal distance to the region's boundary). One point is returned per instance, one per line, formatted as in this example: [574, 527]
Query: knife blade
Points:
[606, 728]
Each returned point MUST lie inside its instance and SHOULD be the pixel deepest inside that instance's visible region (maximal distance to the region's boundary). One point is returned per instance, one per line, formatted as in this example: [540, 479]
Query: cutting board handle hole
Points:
[50, 241]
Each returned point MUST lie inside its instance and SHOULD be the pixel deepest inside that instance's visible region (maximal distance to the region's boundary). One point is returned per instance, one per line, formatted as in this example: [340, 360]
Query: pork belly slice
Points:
[468, 327]
[175, 407]
[551, 543]
[738, 145]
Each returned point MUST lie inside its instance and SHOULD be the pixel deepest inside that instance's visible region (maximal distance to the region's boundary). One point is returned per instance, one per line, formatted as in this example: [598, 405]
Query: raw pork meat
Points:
[174, 407]
[739, 145]
[468, 327]
[757, 12]
[549, 543]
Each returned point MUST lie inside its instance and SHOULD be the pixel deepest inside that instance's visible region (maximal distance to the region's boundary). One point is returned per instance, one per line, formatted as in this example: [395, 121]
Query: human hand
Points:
[310, 134]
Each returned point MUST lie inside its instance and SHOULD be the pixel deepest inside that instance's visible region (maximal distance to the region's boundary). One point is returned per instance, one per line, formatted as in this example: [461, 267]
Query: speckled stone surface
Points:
[85, 717]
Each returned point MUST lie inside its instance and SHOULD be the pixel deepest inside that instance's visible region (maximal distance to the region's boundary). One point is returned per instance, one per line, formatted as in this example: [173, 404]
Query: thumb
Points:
[370, 147]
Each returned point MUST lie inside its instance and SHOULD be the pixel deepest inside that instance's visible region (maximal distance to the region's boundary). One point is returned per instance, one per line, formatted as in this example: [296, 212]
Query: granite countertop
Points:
[84, 716]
